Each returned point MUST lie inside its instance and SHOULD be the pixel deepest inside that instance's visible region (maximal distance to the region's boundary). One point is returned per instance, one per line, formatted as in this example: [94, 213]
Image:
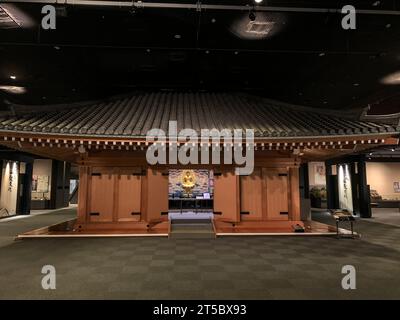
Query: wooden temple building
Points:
[120, 191]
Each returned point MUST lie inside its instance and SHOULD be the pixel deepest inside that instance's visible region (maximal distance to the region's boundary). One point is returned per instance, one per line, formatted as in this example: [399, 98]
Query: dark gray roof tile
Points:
[134, 115]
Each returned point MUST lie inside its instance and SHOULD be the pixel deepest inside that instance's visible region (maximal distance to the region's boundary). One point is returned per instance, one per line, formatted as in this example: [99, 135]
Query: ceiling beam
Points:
[198, 6]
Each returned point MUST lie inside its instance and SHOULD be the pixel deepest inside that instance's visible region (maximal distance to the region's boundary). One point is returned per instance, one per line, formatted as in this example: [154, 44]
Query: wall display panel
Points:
[344, 187]
[202, 183]
[9, 188]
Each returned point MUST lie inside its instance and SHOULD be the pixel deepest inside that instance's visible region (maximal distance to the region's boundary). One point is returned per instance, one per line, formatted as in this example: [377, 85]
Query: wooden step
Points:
[192, 230]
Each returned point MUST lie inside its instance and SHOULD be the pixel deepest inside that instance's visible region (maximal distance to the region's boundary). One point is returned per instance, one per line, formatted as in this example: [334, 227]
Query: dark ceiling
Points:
[306, 59]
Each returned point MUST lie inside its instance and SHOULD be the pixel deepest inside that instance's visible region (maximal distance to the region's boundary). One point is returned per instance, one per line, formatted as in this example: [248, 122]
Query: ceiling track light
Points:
[252, 15]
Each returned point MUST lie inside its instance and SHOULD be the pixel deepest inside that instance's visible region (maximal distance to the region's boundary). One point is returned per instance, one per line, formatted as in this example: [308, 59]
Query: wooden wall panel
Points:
[101, 198]
[277, 195]
[157, 194]
[227, 196]
[128, 197]
[251, 196]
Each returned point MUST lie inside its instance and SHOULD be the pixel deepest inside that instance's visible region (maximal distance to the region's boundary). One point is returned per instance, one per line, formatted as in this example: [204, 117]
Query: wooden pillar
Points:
[294, 208]
[83, 193]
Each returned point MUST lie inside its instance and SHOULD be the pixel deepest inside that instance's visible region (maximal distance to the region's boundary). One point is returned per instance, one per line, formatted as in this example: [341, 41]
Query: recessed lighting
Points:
[393, 78]
[376, 3]
[356, 84]
[13, 89]
[177, 36]
[322, 54]
[207, 52]
[260, 27]
[392, 150]
[258, 1]
[388, 26]
[13, 77]
[56, 47]
[213, 20]
[236, 52]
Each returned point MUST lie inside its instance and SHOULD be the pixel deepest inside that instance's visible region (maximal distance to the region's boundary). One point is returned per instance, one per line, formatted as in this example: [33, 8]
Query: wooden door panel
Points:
[129, 197]
[277, 195]
[226, 195]
[157, 194]
[251, 196]
[101, 198]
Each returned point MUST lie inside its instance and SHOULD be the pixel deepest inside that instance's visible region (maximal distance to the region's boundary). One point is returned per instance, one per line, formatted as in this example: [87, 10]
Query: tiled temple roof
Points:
[134, 115]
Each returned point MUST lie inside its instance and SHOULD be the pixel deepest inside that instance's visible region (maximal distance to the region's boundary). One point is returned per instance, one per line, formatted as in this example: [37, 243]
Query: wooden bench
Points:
[341, 216]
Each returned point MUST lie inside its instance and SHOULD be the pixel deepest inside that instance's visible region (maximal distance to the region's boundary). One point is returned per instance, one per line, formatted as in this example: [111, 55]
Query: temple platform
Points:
[67, 229]
[277, 228]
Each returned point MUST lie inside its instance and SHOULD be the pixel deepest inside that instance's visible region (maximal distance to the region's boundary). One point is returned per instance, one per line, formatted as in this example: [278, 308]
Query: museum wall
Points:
[9, 187]
[384, 177]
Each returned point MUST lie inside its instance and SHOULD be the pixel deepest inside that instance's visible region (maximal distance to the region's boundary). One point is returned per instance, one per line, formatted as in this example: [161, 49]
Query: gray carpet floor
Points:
[224, 268]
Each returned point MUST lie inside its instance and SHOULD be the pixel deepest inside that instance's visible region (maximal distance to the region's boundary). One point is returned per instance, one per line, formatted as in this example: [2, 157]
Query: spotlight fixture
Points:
[252, 16]
[13, 77]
